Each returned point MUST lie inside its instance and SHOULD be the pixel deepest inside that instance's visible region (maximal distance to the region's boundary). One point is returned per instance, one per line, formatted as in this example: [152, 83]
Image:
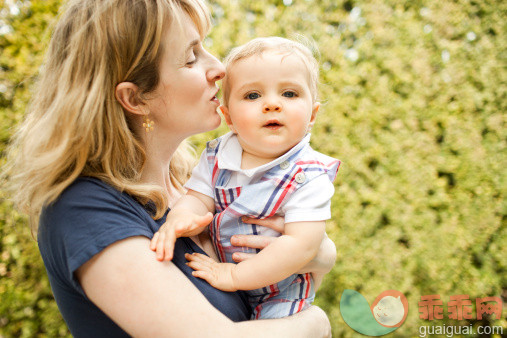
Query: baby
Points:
[263, 167]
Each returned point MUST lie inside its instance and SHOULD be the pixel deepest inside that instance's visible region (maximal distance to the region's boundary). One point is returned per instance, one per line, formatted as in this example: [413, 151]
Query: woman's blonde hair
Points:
[74, 125]
[304, 48]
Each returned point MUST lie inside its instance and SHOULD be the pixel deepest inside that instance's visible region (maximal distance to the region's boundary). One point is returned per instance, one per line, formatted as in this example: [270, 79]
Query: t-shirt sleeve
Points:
[86, 218]
[311, 202]
[200, 180]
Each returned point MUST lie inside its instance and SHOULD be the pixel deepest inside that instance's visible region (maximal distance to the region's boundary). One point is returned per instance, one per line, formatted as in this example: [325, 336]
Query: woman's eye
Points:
[289, 94]
[193, 58]
[253, 96]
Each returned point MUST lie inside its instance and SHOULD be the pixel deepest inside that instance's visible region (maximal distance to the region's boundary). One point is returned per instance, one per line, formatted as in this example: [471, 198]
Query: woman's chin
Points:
[216, 123]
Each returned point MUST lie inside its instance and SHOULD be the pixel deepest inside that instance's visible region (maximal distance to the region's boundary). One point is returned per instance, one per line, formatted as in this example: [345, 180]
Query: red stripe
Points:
[310, 162]
[225, 199]
[285, 191]
[307, 278]
[258, 309]
[213, 175]
[238, 191]
[217, 237]
[307, 292]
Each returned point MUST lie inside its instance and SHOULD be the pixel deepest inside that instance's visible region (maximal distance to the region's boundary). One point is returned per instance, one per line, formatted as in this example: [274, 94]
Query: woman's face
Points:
[184, 102]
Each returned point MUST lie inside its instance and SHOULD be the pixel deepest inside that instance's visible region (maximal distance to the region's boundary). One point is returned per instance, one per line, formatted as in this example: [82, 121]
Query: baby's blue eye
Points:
[289, 94]
[253, 96]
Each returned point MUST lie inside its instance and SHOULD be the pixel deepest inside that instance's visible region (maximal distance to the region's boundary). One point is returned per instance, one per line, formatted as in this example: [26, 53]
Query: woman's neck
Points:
[159, 152]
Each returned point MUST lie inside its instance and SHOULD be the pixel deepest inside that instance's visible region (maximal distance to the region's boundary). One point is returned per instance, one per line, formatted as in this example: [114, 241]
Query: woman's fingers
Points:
[252, 241]
[241, 256]
[276, 223]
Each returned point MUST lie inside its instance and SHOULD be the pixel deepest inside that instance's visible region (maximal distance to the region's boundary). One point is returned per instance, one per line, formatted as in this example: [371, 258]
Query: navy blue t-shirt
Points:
[87, 217]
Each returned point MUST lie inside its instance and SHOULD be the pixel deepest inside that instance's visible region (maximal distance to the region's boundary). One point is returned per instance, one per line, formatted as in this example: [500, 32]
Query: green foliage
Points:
[414, 98]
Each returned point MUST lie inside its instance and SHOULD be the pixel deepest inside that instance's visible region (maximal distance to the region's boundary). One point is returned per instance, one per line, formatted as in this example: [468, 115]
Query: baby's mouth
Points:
[273, 124]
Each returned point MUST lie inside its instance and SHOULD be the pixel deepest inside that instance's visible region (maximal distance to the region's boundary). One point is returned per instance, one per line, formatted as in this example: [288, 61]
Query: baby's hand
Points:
[219, 275]
[178, 224]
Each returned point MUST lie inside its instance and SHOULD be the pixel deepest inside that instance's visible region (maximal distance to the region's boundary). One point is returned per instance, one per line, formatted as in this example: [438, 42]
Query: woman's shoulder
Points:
[85, 185]
[91, 205]
[93, 192]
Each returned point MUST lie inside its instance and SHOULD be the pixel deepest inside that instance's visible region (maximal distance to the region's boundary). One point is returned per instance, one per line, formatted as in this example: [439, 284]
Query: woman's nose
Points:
[216, 70]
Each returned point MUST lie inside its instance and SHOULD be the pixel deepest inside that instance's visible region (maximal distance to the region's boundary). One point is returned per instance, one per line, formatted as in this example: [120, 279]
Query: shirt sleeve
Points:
[201, 177]
[311, 202]
[88, 217]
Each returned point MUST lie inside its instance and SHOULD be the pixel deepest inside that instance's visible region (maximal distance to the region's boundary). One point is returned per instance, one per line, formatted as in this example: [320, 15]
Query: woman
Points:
[124, 83]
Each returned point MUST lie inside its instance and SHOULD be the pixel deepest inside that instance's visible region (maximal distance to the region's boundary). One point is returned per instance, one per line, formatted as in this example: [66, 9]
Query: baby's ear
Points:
[315, 109]
[225, 112]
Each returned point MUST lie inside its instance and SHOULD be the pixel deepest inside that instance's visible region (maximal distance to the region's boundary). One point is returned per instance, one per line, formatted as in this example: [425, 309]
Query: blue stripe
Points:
[231, 195]
[315, 169]
[301, 290]
[219, 198]
[254, 227]
[241, 209]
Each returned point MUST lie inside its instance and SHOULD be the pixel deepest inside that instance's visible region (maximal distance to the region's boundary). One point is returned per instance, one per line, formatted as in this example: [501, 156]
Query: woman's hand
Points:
[319, 266]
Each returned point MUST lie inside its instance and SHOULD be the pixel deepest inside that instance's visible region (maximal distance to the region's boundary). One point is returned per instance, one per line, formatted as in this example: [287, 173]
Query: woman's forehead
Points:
[181, 34]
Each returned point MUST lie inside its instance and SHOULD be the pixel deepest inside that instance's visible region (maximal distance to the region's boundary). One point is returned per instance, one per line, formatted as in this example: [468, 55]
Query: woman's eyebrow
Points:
[192, 45]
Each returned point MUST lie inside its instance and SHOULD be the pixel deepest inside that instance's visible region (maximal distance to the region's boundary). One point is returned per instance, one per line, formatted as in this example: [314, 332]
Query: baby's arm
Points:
[282, 258]
[188, 217]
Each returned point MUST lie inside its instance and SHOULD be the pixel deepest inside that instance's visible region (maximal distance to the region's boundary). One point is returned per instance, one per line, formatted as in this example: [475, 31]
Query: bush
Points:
[414, 100]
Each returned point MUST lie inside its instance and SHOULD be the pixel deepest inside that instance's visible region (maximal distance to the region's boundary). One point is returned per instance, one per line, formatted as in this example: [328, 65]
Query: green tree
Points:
[414, 98]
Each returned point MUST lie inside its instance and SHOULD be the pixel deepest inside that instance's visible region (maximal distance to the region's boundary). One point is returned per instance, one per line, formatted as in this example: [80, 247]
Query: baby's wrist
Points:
[235, 278]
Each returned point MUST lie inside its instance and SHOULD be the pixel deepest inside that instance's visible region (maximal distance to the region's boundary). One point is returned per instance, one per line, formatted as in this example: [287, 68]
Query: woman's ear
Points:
[127, 95]
[225, 112]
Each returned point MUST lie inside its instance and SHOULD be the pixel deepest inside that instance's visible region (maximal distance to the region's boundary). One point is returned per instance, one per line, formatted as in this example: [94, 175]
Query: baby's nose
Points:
[272, 107]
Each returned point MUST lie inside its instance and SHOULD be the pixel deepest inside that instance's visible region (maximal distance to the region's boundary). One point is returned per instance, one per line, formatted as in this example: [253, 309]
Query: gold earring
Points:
[148, 124]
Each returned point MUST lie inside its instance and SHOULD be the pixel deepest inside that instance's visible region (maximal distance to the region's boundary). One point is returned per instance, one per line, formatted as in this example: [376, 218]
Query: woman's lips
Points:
[214, 99]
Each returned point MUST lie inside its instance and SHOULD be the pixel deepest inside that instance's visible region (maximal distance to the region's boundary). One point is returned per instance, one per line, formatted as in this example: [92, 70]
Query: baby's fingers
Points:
[202, 221]
[160, 246]
[170, 238]
[199, 258]
[206, 275]
[153, 243]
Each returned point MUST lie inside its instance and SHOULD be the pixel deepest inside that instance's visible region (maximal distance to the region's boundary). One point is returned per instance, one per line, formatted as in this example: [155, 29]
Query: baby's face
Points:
[270, 103]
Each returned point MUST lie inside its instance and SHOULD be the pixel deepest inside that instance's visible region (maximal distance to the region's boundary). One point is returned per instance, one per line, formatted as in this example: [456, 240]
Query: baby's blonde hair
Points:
[305, 50]
[74, 125]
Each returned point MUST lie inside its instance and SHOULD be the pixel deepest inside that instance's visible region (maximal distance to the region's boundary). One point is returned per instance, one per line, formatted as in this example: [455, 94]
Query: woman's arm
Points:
[146, 297]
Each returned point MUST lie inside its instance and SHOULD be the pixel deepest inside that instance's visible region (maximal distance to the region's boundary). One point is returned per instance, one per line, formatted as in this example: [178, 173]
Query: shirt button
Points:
[213, 143]
[284, 165]
[300, 177]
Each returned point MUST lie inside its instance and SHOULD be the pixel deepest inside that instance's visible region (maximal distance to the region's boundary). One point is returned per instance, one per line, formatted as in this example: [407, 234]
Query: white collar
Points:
[230, 152]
